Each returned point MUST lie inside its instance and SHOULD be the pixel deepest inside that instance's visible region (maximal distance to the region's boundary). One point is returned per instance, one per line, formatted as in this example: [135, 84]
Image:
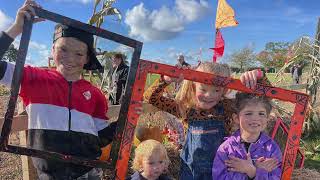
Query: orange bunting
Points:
[225, 15]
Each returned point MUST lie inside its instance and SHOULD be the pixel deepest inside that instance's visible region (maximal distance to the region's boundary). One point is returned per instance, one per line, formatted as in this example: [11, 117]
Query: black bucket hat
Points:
[61, 30]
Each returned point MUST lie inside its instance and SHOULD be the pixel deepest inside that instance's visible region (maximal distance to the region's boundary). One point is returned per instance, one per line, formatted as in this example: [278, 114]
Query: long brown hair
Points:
[186, 94]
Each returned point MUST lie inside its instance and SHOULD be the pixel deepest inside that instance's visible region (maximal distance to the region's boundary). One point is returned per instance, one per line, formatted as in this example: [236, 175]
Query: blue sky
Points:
[170, 27]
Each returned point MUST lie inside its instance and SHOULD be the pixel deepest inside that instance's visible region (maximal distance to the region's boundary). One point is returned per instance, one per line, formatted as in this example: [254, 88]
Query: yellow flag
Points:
[225, 15]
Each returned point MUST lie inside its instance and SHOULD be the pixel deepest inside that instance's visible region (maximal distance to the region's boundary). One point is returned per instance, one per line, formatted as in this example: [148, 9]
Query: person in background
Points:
[117, 78]
[181, 62]
[300, 67]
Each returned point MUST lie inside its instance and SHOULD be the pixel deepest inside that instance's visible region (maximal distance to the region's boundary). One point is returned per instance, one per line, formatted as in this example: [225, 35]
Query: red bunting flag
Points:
[219, 46]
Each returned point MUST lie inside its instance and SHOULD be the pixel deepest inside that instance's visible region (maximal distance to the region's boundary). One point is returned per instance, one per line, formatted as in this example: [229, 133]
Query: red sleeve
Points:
[30, 74]
[101, 106]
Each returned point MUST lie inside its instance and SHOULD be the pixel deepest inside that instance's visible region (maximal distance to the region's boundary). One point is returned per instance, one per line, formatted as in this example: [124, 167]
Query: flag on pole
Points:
[225, 15]
[218, 47]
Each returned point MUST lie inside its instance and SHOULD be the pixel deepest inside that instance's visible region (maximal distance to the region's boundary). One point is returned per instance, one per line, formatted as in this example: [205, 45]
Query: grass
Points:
[286, 78]
[313, 163]
[312, 154]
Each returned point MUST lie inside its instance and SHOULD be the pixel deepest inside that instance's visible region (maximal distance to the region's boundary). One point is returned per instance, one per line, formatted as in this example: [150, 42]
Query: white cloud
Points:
[124, 49]
[164, 23]
[38, 46]
[172, 53]
[38, 53]
[141, 25]
[5, 21]
[292, 11]
[192, 9]
[166, 20]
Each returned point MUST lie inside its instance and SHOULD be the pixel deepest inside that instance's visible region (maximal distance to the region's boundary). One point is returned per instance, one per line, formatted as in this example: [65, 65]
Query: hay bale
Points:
[305, 174]
[153, 119]
[174, 156]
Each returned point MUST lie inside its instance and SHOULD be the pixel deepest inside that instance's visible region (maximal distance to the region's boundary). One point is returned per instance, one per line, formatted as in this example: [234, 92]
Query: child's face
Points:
[207, 96]
[253, 118]
[153, 167]
[70, 55]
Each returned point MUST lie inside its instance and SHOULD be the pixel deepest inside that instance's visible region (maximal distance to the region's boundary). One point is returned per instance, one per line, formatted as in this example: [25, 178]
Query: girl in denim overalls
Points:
[206, 117]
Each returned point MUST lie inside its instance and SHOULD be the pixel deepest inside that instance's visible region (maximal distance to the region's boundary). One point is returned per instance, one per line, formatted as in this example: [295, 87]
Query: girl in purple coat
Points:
[249, 153]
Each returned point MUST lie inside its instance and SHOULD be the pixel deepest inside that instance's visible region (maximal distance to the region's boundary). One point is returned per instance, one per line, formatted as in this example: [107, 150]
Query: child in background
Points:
[150, 161]
[249, 153]
[205, 115]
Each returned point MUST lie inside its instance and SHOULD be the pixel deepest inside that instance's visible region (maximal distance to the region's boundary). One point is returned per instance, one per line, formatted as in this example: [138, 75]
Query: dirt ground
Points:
[10, 164]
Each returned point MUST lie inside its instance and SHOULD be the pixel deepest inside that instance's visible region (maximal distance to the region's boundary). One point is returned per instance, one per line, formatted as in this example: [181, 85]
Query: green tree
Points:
[274, 55]
[11, 54]
[301, 48]
[243, 58]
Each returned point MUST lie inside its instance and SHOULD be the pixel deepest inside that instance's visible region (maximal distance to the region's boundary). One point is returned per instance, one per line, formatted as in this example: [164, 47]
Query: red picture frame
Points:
[294, 131]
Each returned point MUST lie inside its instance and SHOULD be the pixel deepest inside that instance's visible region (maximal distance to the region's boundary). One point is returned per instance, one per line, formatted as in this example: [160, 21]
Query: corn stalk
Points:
[98, 17]
[313, 78]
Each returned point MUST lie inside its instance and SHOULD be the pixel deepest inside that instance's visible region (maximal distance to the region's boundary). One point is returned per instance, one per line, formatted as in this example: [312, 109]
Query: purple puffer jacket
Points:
[264, 147]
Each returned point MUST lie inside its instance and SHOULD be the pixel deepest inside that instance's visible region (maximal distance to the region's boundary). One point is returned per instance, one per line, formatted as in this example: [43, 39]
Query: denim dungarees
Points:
[203, 140]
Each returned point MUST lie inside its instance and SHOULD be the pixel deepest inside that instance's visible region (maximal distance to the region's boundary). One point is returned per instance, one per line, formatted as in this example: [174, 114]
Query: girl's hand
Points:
[241, 165]
[26, 11]
[139, 110]
[268, 164]
[250, 78]
[169, 79]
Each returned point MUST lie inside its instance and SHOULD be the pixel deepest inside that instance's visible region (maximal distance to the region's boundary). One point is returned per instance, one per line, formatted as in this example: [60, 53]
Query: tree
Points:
[11, 54]
[274, 55]
[301, 48]
[243, 58]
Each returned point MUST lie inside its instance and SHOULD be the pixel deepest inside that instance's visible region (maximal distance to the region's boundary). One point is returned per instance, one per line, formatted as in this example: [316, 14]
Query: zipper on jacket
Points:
[245, 150]
[69, 124]
[69, 103]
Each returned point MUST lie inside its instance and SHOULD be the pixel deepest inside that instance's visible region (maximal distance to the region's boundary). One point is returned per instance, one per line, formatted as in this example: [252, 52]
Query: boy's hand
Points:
[268, 164]
[25, 11]
[250, 78]
[241, 165]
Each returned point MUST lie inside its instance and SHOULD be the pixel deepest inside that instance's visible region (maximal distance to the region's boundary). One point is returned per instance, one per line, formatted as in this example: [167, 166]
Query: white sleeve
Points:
[7, 78]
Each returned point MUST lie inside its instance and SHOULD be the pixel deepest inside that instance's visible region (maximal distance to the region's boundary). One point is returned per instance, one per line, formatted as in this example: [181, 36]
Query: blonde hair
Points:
[186, 94]
[149, 148]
